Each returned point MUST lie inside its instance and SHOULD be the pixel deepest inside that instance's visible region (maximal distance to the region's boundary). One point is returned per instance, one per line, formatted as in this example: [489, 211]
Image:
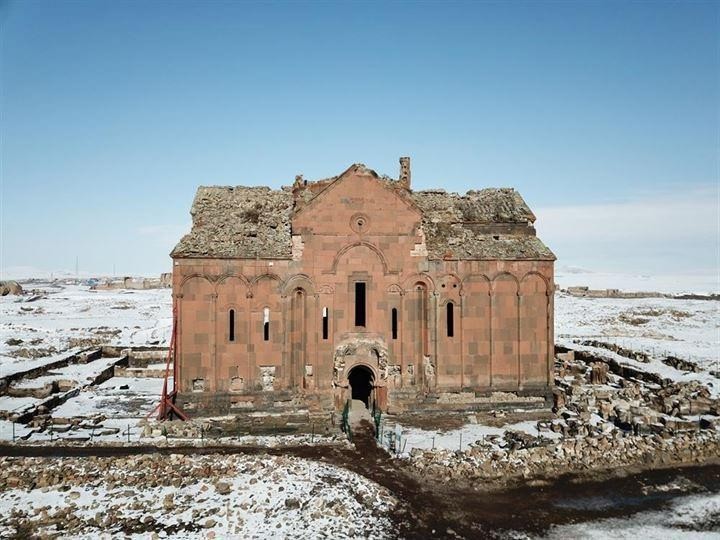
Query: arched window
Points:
[422, 317]
[450, 319]
[231, 325]
[266, 324]
[325, 323]
[394, 323]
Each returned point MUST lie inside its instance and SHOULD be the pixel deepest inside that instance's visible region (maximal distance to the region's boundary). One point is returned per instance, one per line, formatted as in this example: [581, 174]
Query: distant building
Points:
[357, 286]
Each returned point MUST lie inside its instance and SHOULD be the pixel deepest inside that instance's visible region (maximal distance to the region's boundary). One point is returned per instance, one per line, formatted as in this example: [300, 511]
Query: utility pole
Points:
[77, 267]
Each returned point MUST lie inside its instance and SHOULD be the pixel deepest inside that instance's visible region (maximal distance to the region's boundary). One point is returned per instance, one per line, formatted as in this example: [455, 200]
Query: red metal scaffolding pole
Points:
[166, 408]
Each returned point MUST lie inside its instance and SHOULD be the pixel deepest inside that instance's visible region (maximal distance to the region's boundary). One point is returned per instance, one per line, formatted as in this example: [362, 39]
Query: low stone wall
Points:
[298, 422]
[39, 392]
[140, 358]
[121, 371]
[130, 283]
[403, 401]
[82, 357]
[612, 293]
[584, 291]
[205, 404]
[538, 457]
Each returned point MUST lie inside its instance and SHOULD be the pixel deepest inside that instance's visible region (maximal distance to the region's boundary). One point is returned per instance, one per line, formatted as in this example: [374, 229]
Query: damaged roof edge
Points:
[254, 222]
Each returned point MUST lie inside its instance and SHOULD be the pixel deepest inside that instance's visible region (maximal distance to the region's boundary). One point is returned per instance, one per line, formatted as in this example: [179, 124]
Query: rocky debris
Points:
[27, 352]
[682, 365]
[515, 440]
[617, 349]
[628, 403]
[486, 460]
[599, 373]
[462, 241]
[83, 427]
[620, 368]
[223, 488]
[81, 342]
[633, 319]
[239, 222]
[247, 222]
[672, 361]
[493, 223]
[10, 287]
[689, 398]
[606, 421]
[490, 205]
[162, 495]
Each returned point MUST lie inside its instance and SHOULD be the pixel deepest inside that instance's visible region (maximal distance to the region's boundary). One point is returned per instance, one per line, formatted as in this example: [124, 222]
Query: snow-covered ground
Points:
[119, 397]
[405, 439]
[661, 327]
[82, 373]
[691, 517]
[192, 497]
[69, 317]
[54, 321]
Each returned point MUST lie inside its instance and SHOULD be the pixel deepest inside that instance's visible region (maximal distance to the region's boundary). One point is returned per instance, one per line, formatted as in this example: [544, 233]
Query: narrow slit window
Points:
[359, 303]
[325, 323]
[266, 324]
[450, 319]
[231, 325]
[394, 322]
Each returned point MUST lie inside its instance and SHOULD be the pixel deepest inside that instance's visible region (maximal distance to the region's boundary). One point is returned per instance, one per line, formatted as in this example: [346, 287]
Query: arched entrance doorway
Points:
[361, 381]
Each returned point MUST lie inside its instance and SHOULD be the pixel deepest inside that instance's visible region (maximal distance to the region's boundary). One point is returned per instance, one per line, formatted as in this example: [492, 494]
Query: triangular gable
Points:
[352, 170]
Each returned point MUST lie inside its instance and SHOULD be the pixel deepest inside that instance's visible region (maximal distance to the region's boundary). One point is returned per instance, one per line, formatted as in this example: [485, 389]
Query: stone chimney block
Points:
[405, 171]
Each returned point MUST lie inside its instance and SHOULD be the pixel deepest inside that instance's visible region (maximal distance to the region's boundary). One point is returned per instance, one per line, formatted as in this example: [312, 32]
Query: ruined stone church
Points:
[356, 286]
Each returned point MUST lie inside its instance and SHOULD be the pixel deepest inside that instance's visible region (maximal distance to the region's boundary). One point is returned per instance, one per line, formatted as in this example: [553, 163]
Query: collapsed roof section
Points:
[255, 222]
[238, 222]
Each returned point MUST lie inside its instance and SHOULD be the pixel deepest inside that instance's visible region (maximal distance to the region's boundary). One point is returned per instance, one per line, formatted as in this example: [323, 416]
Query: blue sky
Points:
[605, 115]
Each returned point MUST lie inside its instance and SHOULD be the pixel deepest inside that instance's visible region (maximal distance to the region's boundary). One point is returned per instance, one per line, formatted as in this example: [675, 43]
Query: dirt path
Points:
[429, 508]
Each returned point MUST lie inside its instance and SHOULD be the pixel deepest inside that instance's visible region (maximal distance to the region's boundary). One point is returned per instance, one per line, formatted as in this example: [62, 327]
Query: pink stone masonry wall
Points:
[359, 231]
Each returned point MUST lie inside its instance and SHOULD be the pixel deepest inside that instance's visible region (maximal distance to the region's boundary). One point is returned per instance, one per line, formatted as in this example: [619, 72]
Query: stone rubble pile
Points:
[545, 457]
[302, 426]
[682, 365]
[622, 351]
[10, 287]
[606, 421]
[143, 471]
[298, 423]
[155, 495]
[77, 429]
